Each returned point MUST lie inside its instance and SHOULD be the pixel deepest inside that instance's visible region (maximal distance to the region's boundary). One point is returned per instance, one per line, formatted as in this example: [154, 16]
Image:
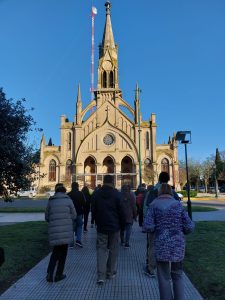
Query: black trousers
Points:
[59, 254]
[86, 213]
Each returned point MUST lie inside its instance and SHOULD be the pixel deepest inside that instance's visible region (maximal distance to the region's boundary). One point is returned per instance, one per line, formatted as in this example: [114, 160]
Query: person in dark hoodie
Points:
[110, 219]
[59, 214]
[79, 203]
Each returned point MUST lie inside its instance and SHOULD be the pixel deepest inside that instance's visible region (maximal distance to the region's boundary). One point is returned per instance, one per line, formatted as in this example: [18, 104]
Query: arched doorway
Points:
[108, 165]
[165, 166]
[89, 169]
[126, 168]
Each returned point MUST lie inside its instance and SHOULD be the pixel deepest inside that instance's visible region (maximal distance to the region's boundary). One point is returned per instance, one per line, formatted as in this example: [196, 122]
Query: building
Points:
[107, 141]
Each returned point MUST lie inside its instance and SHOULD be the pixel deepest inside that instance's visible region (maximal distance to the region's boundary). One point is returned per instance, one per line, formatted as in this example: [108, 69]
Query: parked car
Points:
[180, 196]
[201, 189]
[222, 189]
[211, 189]
[28, 193]
[50, 193]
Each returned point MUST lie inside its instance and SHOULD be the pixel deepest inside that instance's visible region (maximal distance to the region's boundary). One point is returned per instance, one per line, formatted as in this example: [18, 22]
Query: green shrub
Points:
[192, 193]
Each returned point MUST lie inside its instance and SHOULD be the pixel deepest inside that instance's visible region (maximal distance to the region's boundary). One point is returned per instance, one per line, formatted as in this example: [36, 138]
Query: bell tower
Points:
[108, 58]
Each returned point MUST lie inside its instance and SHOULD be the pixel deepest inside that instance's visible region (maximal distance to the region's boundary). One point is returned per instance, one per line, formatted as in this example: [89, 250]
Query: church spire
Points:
[108, 39]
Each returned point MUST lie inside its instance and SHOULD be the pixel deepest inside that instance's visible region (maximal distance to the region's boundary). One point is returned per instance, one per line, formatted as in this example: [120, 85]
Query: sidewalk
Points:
[130, 283]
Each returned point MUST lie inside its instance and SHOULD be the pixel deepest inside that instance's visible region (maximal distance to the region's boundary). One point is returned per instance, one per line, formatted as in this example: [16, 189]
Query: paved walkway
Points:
[130, 283]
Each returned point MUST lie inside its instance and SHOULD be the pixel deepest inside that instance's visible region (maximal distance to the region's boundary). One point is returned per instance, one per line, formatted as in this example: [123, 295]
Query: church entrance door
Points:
[89, 172]
[128, 167]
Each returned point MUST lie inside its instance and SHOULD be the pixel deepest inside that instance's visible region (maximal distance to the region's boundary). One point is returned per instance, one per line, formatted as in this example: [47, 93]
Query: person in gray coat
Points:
[59, 214]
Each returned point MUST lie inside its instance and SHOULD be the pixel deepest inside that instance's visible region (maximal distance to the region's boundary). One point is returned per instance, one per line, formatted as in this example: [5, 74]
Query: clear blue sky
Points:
[174, 49]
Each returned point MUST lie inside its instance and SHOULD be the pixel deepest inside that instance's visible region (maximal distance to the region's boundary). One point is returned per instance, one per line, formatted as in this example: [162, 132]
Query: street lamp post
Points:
[184, 137]
[139, 141]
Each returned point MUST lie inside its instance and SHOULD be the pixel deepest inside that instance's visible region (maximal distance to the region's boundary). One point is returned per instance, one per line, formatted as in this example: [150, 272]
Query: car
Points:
[201, 189]
[31, 193]
[211, 189]
[50, 193]
[222, 189]
[180, 196]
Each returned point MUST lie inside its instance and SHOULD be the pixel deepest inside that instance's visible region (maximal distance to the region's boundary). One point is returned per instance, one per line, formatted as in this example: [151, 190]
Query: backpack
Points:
[139, 199]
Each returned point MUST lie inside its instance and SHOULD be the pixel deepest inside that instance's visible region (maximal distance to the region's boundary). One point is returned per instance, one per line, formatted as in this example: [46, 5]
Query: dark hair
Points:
[164, 177]
[59, 188]
[74, 185]
[108, 179]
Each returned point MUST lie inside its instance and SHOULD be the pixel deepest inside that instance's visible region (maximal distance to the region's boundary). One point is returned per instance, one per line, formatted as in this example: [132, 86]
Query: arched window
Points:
[165, 165]
[147, 140]
[52, 170]
[104, 79]
[69, 140]
[68, 169]
[111, 79]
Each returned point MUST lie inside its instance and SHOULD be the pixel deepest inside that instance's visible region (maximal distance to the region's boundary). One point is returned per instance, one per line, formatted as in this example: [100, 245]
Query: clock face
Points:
[108, 139]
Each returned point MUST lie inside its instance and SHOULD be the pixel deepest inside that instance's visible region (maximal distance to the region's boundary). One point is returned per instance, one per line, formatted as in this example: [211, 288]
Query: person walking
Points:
[129, 207]
[140, 195]
[79, 204]
[59, 214]
[87, 205]
[110, 219]
[149, 197]
[92, 216]
[169, 221]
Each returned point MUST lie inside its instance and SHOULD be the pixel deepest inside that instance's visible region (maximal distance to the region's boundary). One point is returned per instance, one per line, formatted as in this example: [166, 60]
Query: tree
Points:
[16, 156]
[182, 173]
[207, 171]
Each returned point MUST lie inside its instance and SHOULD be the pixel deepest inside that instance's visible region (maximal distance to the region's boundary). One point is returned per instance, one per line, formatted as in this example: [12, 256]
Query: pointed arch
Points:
[127, 166]
[147, 140]
[89, 169]
[104, 79]
[165, 166]
[109, 165]
[52, 170]
[111, 79]
[68, 169]
[69, 141]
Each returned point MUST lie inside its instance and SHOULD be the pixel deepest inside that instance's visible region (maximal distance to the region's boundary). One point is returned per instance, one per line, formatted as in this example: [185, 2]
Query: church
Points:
[103, 139]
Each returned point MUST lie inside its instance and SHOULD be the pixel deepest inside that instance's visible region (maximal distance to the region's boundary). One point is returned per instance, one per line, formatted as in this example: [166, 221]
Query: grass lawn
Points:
[25, 245]
[39, 209]
[201, 208]
[205, 259]
[21, 209]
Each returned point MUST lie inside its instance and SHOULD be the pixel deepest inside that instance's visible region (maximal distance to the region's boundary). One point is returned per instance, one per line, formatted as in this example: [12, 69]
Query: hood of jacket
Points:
[59, 195]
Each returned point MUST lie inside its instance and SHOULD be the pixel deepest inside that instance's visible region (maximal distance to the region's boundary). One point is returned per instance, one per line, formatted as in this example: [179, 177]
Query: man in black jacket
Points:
[110, 218]
[79, 203]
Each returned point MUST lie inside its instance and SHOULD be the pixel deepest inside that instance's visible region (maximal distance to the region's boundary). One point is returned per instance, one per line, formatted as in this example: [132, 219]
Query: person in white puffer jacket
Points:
[59, 214]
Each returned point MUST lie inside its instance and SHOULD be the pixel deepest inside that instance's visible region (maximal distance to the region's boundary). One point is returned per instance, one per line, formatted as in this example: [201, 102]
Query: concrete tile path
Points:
[129, 284]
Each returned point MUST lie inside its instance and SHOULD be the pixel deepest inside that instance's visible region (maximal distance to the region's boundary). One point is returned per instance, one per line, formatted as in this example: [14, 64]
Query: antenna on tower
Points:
[93, 14]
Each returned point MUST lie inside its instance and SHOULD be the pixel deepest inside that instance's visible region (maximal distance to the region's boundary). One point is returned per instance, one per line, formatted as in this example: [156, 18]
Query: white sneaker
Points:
[100, 281]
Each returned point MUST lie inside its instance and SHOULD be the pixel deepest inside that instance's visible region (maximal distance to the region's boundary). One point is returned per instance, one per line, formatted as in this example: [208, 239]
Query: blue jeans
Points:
[77, 227]
[167, 271]
[127, 231]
